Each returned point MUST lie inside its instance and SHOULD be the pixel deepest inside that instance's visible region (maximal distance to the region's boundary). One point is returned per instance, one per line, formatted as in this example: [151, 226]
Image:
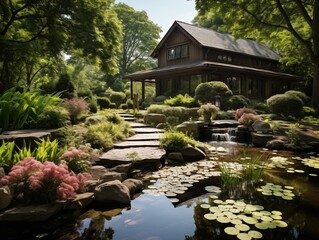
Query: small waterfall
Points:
[224, 135]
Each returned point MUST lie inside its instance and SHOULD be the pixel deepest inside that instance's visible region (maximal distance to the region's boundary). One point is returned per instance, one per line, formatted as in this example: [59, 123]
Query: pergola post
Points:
[132, 89]
[143, 89]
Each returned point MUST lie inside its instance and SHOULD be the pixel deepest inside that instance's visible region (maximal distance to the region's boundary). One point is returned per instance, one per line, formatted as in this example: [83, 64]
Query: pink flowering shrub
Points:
[33, 181]
[76, 159]
[241, 111]
[248, 119]
[76, 107]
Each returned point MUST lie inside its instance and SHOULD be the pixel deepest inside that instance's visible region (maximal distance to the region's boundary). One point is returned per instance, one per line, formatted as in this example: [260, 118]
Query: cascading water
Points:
[224, 135]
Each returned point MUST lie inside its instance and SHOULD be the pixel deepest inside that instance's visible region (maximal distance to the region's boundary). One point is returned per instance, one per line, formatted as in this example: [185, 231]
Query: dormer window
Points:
[177, 52]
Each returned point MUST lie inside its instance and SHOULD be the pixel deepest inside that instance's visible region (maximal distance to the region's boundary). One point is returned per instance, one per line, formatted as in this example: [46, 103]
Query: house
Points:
[189, 55]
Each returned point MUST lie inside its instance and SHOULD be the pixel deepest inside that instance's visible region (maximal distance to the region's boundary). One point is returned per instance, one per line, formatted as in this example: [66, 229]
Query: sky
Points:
[165, 12]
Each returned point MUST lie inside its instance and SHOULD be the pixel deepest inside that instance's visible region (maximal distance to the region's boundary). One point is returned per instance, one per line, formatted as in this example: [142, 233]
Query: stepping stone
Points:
[28, 133]
[128, 144]
[129, 119]
[126, 115]
[139, 155]
[146, 137]
[138, 125]
[147, 130]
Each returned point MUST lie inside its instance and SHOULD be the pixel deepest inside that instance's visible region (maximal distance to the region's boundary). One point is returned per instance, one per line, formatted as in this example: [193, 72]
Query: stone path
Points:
[141, 149]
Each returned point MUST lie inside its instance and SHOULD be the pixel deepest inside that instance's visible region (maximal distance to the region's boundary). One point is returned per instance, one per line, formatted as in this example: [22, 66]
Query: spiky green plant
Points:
[6, 155]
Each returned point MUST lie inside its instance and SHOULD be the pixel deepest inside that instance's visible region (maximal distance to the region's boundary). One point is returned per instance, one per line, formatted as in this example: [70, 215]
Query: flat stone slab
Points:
[138, 125]
[138, 155]
[146, 137]
[126, 115]
[128, 144]
[147, 130]
[27, 133]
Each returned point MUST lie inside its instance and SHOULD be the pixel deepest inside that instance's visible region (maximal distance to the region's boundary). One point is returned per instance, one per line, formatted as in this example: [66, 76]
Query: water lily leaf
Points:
[243, 236]
[231, 231]
[255, 234]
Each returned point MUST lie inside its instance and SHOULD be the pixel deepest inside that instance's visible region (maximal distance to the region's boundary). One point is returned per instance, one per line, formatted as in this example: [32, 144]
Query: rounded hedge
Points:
[206, 92]
[299, 94]
[103, 102]
[285, 104]
[237, 101]
[118, 98]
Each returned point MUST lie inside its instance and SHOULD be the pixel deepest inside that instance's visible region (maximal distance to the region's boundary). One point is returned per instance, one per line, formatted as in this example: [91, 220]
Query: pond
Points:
[188, 202]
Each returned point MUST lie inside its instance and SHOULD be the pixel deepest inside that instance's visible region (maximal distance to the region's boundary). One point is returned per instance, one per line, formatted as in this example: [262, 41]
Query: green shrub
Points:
[124, 106]
[208, 111]
[154, 108]
[305, 99]
[102, 135]
[103, 102]
[237, 101]
[52, 118]
[129, 103]
[108, 92]
[182, 100]
[118, 98]
[92, 104]
[112, 105]
[308, 111]
[285, 104]
[173, 121]
[6, 155]
[261, 108]
[84, 93]
[206, 92]
[114, 118]
[18, 109]
[176, 141]
[191, 113]
[176, 112]
[65, 86]
[229, 115]
[47, 150]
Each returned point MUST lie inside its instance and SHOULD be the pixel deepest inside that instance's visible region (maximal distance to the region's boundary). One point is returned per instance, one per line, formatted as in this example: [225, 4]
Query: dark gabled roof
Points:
[190, 67]
[224, 41]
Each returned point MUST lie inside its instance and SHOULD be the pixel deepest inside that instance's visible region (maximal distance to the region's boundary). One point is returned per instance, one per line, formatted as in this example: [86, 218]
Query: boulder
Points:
[276, 144]
[160, 98]
[98, 171]
[5, 197]
[123, 168]
[134, 185]
[111, 176]
[191, 153]
[92, 184]
[261, 127]
[80, 201]
[30, 213]
[176, 157]
[154, 118]
[112, 192]
[261, 139]
[95, 119]
[190, 128]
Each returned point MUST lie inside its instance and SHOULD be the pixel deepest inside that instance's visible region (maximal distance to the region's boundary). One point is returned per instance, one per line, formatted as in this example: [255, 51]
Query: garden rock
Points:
[5, 197]
[111, 176]
[276, 144]
[30, 213]
[123, 168]
[112, 192]
[98, 171]
[154, 118]
[160, 98]
[176, 157]
[189, 128]
[191, 153]
[261, 127]
[92, 184]
[162, 125]
[95, 119]
[261, 139]
[80, 201]
[134, 185]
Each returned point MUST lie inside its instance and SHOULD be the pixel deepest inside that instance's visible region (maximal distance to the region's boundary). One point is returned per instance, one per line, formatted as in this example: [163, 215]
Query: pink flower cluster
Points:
[73, 152]
[248, 118]
[31, 179]
[76, 106]
[241, 111]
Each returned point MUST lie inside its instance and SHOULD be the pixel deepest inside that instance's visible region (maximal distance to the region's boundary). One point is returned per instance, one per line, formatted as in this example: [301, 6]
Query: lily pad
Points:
[205, 206]
[255, 234]
[242, 227]
[236, 221]
[262, 226]
[243, 236]
[276, 212]
[210, 216]
[280, 223]
[231, 231]
[223, 219]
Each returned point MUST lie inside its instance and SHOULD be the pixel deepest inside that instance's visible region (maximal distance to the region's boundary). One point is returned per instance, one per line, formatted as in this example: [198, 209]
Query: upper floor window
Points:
[225, 58]
[177, 52]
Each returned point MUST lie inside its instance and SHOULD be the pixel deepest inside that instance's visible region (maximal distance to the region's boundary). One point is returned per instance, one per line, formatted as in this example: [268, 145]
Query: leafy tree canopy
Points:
[33, 31]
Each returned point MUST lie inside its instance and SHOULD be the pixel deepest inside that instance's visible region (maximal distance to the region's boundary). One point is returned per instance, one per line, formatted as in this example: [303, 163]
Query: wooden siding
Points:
[178, 38]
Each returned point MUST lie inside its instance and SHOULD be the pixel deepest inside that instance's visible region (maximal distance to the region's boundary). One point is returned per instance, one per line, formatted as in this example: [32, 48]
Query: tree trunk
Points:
[315, 87]
[315, 60]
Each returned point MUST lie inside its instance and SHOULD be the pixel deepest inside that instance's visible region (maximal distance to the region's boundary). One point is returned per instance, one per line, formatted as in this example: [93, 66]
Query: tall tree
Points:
[33, 29]
[290, 21]
[140, 37]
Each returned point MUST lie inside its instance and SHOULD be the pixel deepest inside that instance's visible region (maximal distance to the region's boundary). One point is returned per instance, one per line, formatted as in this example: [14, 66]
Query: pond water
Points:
[284, 205]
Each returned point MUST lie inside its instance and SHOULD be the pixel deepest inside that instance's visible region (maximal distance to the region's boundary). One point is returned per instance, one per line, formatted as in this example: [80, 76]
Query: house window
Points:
[234, 83]
[224, 58]
[178, 52]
